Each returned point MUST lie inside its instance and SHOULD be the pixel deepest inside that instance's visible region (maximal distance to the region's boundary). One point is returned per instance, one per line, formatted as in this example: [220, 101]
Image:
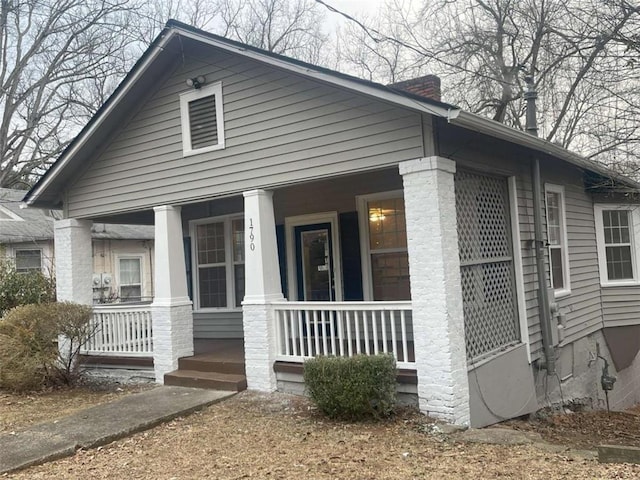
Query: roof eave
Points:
[499, 130]
[33, 195]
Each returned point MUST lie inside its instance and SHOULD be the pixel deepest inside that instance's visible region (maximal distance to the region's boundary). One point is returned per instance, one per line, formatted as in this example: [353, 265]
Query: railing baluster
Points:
[349, 342]
[283, 333]
[358, 346]
[405, 356]
[341, 332]
[374, 325]
[365, 325]
[323, 320]
[308, 325]
[316, 333]
[383, 322]
[394, 338]
[301, 336]
[290, 319]
[332, 330]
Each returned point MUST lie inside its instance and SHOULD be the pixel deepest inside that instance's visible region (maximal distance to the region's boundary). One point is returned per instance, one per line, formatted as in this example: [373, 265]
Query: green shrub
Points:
[352, 387]
[29, 353]
[23, 288]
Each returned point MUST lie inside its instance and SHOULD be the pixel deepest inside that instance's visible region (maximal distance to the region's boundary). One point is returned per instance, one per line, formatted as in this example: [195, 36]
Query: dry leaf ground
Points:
[281, 437]
[21, 410]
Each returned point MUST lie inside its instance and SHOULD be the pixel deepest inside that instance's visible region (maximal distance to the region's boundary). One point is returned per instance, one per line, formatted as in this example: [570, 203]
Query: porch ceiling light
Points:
[196, 82]
[376, 215]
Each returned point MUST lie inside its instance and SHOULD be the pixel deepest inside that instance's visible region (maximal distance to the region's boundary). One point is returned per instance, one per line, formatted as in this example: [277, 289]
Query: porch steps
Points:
[209, 370]
[212, 380]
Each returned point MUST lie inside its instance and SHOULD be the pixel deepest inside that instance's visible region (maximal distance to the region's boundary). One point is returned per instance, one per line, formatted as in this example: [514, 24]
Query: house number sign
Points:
[252, 237]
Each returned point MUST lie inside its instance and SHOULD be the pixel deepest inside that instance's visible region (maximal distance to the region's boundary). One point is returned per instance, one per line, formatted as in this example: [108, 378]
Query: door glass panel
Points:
[316, 267]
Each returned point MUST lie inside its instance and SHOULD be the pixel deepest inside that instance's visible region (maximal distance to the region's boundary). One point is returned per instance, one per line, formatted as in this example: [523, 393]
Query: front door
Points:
[314, 262]
[313, 258]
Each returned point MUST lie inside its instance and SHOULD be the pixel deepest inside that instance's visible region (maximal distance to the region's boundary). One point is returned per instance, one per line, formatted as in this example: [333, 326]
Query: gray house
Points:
[121, 254]
[300, 212]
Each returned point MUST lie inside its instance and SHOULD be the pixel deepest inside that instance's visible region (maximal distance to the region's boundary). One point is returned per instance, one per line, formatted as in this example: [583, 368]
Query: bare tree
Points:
[287, 27]
[582, 54]
[58, 61]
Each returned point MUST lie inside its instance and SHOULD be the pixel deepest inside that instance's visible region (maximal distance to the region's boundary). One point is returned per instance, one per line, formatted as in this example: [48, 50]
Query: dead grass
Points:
[281, 437]
[21, 410]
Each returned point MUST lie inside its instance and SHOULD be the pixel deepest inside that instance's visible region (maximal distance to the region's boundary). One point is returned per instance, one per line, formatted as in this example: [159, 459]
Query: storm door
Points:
[314, 262]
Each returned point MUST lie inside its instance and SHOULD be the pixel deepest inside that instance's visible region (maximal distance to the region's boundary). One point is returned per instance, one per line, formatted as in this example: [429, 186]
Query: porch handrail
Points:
[308, 329]
[121, 330]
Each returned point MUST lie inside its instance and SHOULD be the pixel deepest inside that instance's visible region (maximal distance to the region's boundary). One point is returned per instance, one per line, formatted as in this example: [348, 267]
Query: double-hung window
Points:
[617, 253]
[130, 279]
[218, 246]
[28, 260]
[557, 239]
[385, 246]
[202, 117]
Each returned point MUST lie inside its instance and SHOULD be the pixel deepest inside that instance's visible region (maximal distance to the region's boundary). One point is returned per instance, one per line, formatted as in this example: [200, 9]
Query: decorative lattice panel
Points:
[486, 262]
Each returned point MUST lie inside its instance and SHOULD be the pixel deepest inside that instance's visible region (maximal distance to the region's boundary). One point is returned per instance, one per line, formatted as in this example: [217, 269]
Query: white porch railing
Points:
[308, 329]
[121, 330]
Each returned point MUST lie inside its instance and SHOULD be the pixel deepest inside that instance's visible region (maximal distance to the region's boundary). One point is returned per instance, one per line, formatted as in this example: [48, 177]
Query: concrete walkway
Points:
[101, 424]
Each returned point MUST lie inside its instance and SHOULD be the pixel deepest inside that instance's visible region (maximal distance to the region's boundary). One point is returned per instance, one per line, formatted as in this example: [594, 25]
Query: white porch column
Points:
[436, 293]
[171, 310]
[73, 261]
[261, 288]
[73, 266]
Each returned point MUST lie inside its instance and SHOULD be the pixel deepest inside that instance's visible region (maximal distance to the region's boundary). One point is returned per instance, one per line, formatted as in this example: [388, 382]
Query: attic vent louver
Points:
[203, 122]
[202, 118]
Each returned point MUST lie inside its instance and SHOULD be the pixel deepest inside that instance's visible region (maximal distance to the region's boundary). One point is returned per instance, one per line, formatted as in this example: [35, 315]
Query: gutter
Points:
[495, 129]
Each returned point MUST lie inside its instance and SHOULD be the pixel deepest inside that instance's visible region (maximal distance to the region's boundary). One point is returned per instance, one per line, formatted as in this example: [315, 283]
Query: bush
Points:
[352, 388]
[23, 288]
[29, 353]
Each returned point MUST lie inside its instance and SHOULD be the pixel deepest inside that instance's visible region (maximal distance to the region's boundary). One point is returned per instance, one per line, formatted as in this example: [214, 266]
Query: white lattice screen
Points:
[486, 263]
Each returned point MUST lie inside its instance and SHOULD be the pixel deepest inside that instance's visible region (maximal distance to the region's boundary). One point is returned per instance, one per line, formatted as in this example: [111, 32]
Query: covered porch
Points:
[354, 287]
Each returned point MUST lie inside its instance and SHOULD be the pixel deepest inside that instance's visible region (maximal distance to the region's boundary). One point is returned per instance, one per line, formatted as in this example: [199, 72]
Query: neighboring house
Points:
[308, 212]
[26, 235]
[122, 254]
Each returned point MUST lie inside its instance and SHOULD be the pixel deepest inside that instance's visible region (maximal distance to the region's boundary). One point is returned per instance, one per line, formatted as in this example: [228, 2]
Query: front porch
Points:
[123, 336]
[371, 267]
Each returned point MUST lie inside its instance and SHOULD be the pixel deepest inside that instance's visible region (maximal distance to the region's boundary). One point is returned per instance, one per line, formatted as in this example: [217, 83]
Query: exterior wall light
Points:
[196, 82]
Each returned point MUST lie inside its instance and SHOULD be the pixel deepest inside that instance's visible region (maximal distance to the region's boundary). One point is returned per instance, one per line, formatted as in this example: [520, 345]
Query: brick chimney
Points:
[427, 86]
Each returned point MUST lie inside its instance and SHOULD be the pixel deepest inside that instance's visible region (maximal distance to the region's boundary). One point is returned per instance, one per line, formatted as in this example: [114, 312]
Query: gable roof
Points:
[35, 224]
[26, 224]
[162, 54]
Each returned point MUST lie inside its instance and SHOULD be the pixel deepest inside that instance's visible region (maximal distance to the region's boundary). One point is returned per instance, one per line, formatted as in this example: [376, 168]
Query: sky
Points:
[355, 8]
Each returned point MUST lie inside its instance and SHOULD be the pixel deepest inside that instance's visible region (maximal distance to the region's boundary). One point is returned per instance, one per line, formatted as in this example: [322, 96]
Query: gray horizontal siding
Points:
[621, 306]
[279, 129]
[217, 324]
[583, 307]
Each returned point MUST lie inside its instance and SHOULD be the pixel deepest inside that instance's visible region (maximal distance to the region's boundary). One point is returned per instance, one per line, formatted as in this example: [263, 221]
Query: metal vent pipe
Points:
[539, 242]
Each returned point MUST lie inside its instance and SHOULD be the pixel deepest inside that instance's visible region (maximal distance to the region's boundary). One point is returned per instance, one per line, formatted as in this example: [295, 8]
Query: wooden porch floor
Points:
[219, 349]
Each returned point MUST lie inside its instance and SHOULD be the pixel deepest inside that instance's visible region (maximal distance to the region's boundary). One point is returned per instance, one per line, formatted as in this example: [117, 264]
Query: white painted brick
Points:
[73, 260]
[172, 337]
[438, 321]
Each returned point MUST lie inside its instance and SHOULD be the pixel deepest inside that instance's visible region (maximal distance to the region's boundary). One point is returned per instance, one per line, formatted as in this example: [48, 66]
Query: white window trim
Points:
[634, 231]
[365, 245]
[133, 256]
[564, 248]
[228, 257]
[186, 97]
